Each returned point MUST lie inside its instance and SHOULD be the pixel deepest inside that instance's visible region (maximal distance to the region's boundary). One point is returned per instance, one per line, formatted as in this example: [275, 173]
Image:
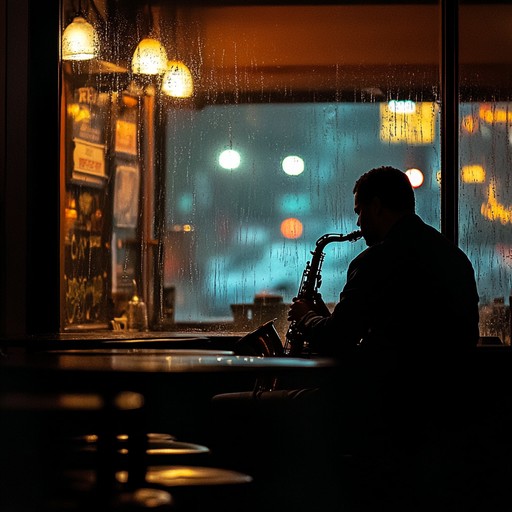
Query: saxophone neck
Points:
[338, 237]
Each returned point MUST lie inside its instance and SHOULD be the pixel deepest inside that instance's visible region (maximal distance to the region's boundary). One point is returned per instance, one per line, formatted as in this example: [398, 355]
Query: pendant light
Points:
[177, 81]
[80, 40]
[150, 57]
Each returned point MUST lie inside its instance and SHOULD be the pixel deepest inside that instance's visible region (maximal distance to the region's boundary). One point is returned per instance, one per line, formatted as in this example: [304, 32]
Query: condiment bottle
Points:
[137, 316]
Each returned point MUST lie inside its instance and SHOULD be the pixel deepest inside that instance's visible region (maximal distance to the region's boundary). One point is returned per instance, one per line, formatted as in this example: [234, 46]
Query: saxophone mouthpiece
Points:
[353, 236]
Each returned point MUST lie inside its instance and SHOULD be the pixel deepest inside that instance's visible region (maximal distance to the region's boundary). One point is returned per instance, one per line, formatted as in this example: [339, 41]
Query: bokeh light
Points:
[469, 124]
[229, 159]
[402, 106]
[473, 174]
[291, 228]
[415, 177]
[293, 165]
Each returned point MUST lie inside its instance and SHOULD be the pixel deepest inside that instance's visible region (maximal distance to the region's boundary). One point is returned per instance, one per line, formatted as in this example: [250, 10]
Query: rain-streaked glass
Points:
[207, 207]
[485, 190]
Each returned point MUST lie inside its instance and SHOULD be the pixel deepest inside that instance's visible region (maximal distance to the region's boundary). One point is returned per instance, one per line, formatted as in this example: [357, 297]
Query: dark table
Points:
[177, 383]
[124, 358]
[120, 339]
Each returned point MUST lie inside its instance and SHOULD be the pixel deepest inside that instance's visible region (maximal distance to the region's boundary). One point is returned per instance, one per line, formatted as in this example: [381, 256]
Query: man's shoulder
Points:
[371, 257]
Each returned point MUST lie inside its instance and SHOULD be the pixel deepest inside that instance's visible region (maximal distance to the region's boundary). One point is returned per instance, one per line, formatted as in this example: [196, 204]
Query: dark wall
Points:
[29, 152]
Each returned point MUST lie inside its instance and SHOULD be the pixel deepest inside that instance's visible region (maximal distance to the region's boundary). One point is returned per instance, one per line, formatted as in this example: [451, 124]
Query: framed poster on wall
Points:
[89, 162]
[88, 149]
[126, 137]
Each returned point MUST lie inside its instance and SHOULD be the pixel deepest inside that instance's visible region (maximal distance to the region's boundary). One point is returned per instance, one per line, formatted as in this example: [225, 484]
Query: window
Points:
[207, 206]
[238, 243]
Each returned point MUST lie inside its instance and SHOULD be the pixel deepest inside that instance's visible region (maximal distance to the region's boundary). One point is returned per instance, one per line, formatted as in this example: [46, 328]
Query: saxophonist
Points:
[410, 289]
[405, 321]
[367, 437]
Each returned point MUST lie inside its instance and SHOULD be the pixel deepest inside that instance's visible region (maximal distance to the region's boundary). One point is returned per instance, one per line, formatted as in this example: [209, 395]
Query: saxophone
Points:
[310, 283]
[265, 340]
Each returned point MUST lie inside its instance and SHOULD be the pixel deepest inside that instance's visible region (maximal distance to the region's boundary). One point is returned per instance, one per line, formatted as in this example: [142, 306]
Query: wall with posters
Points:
[101, 206]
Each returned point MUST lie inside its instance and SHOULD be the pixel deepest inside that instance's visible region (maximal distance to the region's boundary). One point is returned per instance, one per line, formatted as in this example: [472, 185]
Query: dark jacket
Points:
[415, 289]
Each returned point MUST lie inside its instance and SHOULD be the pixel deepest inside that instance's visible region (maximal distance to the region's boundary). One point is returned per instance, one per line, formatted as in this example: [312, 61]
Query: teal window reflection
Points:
[236, 249]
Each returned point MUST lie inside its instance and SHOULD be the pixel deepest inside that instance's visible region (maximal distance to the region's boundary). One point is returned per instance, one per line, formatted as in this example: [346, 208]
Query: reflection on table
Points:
[163, 361]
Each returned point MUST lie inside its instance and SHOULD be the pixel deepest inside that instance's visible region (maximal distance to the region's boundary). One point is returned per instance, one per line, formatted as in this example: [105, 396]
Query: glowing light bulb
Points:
[149, 58]
[177, 81]
[79, 40]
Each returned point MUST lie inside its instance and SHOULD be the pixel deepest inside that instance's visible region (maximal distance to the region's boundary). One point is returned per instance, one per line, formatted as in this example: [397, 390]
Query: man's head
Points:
[382, 196]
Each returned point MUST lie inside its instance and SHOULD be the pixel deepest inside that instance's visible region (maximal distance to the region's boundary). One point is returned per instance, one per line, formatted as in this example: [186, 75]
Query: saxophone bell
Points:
[264, 341]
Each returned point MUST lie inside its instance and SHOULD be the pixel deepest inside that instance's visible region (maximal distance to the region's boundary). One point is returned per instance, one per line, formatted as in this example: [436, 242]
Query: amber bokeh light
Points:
[291, 228]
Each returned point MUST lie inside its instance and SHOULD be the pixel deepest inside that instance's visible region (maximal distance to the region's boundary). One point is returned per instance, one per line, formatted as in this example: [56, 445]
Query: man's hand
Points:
[320, 306]
[299, 308]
